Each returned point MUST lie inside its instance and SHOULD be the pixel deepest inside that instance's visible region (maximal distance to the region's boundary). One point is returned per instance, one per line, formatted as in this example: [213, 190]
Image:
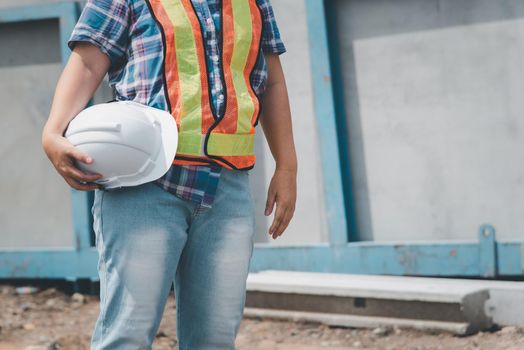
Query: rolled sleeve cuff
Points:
[276, 47]
[115, 54]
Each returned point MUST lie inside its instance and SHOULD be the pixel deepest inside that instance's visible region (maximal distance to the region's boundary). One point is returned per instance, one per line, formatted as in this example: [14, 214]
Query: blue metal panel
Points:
[66, 264]
[510, 258]
[326, 123]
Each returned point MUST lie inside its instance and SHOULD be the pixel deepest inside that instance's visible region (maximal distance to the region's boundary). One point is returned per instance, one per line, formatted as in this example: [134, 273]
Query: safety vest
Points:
[203, 137]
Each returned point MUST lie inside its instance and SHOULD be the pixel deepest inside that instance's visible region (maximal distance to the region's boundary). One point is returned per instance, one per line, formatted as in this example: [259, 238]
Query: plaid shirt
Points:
[126, 32]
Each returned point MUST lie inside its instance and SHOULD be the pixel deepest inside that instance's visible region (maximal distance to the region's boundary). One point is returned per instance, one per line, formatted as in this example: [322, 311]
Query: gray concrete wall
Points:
[433, 90]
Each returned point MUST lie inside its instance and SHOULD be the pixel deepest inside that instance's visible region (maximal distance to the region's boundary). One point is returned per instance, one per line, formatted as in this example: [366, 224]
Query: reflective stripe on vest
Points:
[203, 137]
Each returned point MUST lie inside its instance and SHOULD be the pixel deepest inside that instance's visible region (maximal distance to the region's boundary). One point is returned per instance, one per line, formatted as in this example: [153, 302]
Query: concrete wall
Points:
[433, 91]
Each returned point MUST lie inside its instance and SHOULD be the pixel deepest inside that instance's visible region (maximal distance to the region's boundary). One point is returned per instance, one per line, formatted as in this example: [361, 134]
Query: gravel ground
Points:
[50, 320]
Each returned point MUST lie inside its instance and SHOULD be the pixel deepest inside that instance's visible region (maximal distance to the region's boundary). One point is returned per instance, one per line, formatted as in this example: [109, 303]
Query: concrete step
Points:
[370, 301]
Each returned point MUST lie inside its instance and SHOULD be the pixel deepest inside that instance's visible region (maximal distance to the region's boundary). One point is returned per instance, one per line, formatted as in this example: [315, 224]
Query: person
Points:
[214, 65]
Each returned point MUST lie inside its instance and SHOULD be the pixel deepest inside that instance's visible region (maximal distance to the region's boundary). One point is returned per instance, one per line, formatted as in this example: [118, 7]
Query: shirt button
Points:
[209, 21]
[221, 97]
[214, 58]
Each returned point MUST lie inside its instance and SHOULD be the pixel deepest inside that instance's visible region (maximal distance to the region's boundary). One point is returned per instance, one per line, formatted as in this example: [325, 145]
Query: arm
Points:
[277, 127]
[77, 84]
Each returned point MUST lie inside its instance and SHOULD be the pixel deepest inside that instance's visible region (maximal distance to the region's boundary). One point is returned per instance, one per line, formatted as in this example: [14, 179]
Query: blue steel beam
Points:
[324, 103]
[388, 258]
[419, 259]
[67, 264]
[340, 116]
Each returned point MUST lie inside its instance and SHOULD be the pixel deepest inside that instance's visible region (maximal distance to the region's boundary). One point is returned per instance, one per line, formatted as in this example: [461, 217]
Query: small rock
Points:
[49, 292]
[382, 331]
[78, 298]
[357, 344]
[54, 304]
[509, 330]
[267, 344]
[26, 290]
[53, 346]
[28, 326]
[25, 307]
[7, 290]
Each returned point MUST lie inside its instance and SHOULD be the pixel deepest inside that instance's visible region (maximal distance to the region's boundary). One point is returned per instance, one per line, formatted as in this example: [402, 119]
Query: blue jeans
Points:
[147, 239]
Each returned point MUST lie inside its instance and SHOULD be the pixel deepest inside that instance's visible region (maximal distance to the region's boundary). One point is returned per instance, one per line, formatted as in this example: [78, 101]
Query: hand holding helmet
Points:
[130, 143]
[114, 144]
[64, 155]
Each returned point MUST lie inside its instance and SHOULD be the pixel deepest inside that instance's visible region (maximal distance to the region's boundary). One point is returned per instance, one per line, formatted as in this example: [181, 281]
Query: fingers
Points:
[63, 156]
[283, 215]
[73, 176]
[74, 153]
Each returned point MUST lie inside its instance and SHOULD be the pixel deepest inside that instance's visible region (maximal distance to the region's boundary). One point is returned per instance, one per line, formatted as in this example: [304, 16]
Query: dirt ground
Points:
[50, 320]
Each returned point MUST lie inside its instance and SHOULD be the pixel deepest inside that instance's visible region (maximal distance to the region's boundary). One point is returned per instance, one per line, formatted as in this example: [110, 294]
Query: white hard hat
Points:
[130, 143]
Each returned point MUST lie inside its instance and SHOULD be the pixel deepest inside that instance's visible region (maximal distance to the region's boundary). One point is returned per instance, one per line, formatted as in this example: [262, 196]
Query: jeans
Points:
[147, 239]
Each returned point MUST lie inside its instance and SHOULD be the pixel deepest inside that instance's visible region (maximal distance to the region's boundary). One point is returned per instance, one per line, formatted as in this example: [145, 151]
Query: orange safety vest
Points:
[204, 138]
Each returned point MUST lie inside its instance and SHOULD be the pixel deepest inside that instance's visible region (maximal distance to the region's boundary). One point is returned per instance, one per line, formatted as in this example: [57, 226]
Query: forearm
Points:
[78, 82]
[276, 119]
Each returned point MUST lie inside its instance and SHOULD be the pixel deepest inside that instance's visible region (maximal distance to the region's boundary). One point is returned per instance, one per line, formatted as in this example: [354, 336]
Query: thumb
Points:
[270, 203]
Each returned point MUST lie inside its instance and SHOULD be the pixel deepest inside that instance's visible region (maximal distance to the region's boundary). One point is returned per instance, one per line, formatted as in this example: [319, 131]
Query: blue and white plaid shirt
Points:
[128, 34]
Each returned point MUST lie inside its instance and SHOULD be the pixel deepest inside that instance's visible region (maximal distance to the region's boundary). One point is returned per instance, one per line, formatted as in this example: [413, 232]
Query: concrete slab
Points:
[455, 305]
[505, 304]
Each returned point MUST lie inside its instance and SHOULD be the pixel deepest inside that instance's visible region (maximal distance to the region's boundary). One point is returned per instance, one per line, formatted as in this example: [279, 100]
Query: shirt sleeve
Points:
[271, 40]
[105, 24]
